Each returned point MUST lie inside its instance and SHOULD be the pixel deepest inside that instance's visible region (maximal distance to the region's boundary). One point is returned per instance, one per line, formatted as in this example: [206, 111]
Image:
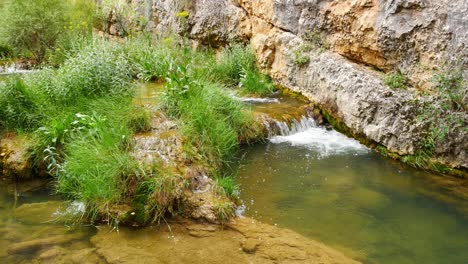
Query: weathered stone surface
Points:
[14, 158]
[240, 241]
[36, 244]
[417, 37]
[36, 213]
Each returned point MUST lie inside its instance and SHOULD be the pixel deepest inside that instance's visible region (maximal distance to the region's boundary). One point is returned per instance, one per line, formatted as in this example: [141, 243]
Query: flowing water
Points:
[324, 185]
[307, 178]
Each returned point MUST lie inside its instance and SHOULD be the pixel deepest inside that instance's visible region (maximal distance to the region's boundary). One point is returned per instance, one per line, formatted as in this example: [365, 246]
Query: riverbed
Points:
[306, 177]
[329, 187]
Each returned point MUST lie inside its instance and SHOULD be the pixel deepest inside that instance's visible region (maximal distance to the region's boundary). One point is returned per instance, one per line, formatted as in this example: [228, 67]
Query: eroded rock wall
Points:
[364, 39]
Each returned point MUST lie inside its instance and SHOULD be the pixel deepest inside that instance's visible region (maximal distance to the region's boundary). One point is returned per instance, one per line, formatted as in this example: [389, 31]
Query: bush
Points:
[33, 28]
[98, 70]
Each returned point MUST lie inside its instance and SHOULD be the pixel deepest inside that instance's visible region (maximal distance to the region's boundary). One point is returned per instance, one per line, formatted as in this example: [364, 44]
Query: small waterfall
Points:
[12, 69]
[304, 132]
[284, 128]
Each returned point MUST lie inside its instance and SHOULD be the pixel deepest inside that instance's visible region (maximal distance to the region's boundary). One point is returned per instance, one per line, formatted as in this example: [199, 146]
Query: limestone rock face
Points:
[416, 37]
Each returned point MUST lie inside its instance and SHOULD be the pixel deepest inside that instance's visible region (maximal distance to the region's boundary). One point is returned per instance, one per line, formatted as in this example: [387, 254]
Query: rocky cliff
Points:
[338, 53]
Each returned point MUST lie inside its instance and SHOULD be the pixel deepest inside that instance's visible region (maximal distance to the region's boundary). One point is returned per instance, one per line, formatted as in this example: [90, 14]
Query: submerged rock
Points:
[240, 241]
[37, 213]
[35, 244]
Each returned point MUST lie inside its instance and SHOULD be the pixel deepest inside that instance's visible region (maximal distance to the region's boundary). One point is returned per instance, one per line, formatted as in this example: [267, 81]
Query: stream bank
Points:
[342, 54]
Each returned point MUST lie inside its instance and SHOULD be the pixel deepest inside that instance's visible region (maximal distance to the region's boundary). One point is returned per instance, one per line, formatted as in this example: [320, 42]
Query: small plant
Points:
[301, 54]
[224, 210]
[450, 88]
[396, 80]
[228, 187]
[254, 82]
[316, 39]
[442, 115]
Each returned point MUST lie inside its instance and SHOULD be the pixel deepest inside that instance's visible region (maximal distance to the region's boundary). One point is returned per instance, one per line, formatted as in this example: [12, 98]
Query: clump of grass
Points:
[236, 67]
[19, 108]
[157, 194]
[224, 210]
[229, 187]
[211, 120]
[95, 168]
[150, 60]
[396, 80]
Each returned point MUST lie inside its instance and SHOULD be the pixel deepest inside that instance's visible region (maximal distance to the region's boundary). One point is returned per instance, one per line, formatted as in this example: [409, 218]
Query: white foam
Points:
[254, 100]
[319, 139]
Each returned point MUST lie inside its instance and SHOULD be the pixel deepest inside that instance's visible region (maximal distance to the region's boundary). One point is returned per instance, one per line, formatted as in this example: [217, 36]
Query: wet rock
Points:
[414, 37]
[243, 241]
[36, 213]
[35, 244]
[250, 245]
[53, 252]
[14, 157]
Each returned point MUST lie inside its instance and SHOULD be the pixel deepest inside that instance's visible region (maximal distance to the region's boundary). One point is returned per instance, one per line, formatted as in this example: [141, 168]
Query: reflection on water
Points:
[375, 209]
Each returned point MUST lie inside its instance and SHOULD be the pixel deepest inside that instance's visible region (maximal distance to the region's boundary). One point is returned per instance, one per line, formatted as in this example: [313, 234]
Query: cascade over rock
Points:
[343, 45]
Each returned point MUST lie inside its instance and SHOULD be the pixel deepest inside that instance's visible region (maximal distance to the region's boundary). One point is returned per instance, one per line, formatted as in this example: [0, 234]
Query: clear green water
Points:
[38, 222]
[372, 208]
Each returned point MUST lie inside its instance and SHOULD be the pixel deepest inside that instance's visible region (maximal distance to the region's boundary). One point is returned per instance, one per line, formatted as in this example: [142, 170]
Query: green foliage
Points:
[228, 186]
[5, 51]
[95, 167]
[157, 193]
[450, 88]
[441, 115]
[35, 29]
[99, 69]
[233, 61]
[316, 39]
[121, 15]
[18, 106]
[211, 120]
[149, 60]
[301, 54]
[396, 80]
[224, 210]
[236, 66]
[254, 82]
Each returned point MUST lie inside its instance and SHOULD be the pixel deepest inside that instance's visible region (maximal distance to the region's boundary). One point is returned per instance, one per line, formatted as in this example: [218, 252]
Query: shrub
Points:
[98, 70]
[396, 80]
[33, 28]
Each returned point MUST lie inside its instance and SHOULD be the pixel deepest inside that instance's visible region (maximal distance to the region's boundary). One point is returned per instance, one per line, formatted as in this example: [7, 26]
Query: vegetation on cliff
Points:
[79, 111]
